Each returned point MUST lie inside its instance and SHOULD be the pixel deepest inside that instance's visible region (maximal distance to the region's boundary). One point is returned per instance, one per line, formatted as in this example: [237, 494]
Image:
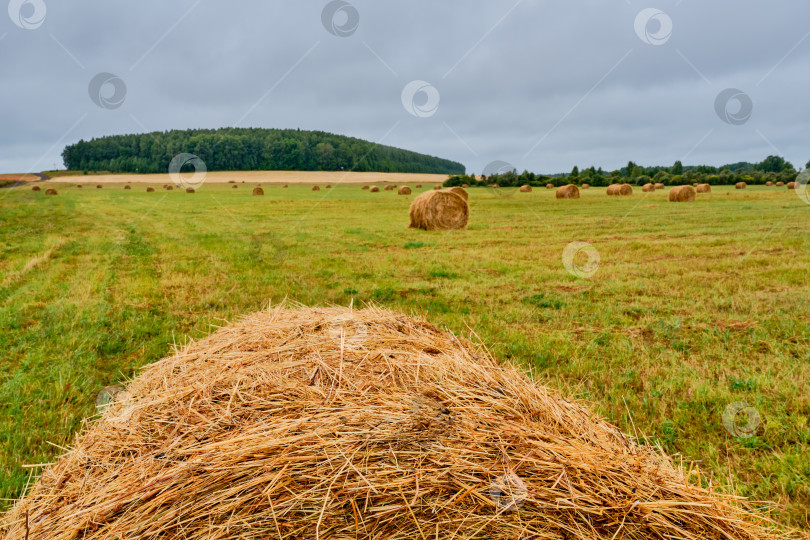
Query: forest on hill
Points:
[249, 149]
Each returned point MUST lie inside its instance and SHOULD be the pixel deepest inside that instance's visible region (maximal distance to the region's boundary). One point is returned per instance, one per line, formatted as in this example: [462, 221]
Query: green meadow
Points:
[694, 306]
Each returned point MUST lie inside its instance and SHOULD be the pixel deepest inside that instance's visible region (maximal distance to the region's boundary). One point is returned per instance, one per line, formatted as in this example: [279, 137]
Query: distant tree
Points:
[630, 168]
[677, 168]
[575, 171]
[636, 172]
[807, 166]
[774, 164]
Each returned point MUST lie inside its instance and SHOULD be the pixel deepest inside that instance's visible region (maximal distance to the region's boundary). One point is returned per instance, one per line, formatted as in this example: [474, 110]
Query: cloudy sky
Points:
[541, 84]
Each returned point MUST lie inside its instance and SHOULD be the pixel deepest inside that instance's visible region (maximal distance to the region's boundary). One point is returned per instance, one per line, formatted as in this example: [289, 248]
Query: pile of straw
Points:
[526, 189]
[374, 189]
[620, 190]
[235, 186]
[768, 183]
[437, 187]
[127, 187]
[647, 188]
[341, 424]
[99, 186]
[439, 211]
[780, 184]
[791, 185]
[703, 188]
[740, 185]
[568, 192]
[257, 191]
[404, 190]
[549, 186]
[36, 188]
[586, 186]
[50, 191]
[316, 188]
[418, 186]
[659, 186]
[389, 187]
[150, 190]
[682, 194]
[365, 187]
[190, 190]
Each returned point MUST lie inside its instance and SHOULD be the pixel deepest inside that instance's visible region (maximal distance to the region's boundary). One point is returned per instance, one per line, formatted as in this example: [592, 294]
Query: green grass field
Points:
[694, 306]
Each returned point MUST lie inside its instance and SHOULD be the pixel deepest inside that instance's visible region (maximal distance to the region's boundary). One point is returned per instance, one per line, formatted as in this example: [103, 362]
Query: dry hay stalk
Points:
[190, 190]
[703, 188]
[127, 187]
[374, 189]
[526, 189]
[258, 191]
[682, 194]
[150, 190]
[791, 185]
[620, 190]
[365, 187]
[345, 424]
[740, 185]
[404, 190]
[50, 191]
[568, 192]
[659, 186]
[585, 186]
[549, 186]
[316, 188]
[768, 183]
[646, 188]
[439, 211]
[437, 187]
[460, 192]
[36, 188]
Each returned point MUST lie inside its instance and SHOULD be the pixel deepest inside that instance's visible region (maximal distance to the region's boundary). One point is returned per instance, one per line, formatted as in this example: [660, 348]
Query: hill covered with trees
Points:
[249, 149]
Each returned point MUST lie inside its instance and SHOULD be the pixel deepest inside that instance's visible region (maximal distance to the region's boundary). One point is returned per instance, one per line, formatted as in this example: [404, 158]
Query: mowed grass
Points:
[693, 307]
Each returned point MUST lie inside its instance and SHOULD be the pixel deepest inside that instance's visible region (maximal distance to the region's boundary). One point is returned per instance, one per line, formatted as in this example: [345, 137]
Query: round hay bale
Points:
[389, 188]
[437, 187]
[740, 185]
[316, 188]
[585, 186]
[703, 188]
[235, 186]
[79, 186]
[285, 185]
[460, 192]
[36, 188]
[769, 183]
[365, 424]
[780, 184]
[549, 186]
[682, 194]
[568, 192]
[404, 190]
[647, 188]
[328, 186]
[620, 190]
[150, 190]
[791, 185]
[418, 186]
[98, 186]
[659, 185]
[495, 186]
[231, 181]
[50, 191]
[365, 187]
[190, 190]
[439, 211]
[169, 188]
[526, 189]
[465, 186]
[258, 191]
[374, 189]
[127, 187]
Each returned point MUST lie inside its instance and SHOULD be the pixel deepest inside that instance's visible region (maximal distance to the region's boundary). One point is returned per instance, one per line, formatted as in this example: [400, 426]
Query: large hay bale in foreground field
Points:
[345, 424]
[526, 188]
[647, 188]
[791, 185]
[682, 194]
[620, 190]
[740, 185]
[36, 188]
[258, 191]
[568, 192]
[703, 188]
[439, 211]
[460, 192]
[50, 191]
[404, 190]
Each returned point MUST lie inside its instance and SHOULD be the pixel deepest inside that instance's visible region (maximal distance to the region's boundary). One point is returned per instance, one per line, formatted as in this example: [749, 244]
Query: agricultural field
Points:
[693, 307]
[263, 177]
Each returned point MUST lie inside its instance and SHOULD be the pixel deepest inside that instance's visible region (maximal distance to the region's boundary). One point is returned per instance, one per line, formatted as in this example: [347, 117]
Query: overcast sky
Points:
[543, 85]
